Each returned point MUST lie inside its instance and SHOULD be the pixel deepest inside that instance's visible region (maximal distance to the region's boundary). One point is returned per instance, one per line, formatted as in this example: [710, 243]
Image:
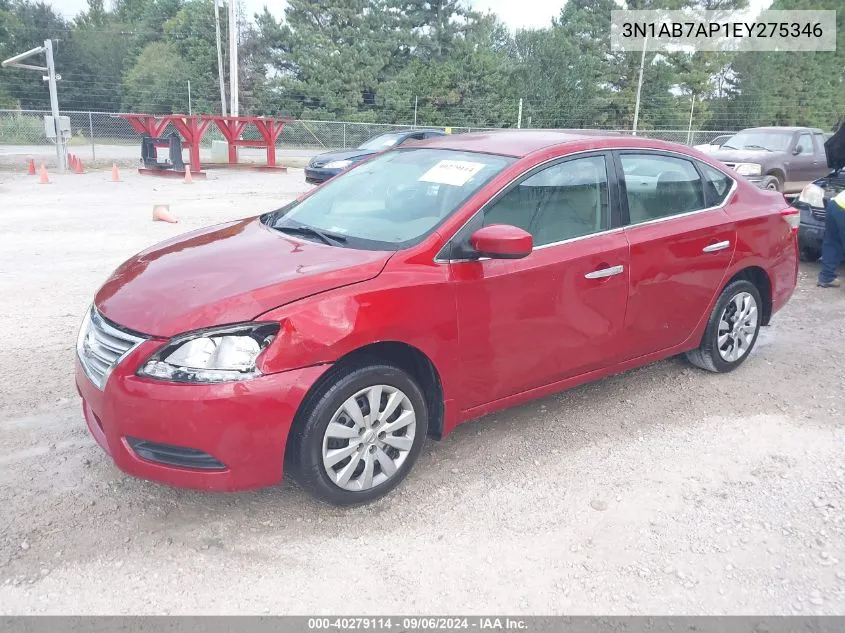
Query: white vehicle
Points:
[714, 144]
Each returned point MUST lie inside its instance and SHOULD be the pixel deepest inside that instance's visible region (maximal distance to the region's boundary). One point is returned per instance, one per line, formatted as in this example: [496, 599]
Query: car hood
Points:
[321, 159]
[743, 155]
[226, 274]
[834, 149]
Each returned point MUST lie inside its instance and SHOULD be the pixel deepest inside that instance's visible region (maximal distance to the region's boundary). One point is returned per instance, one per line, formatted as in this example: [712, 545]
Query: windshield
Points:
[391, 201]
[381, 142]
[772, 141]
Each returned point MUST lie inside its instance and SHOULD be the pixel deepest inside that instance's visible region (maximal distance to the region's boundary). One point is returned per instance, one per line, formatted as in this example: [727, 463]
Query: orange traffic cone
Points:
[161, 213]
[77, 165]
[115, 173]
[31, 167]
[188, 178]
[43, 178]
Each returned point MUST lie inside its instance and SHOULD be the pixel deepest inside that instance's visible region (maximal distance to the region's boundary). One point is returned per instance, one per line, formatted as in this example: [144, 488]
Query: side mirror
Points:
[797, 150]
[502, 241]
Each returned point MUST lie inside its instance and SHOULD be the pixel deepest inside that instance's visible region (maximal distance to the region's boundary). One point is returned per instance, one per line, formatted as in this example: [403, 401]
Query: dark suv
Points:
[815, 195]
[779, 158]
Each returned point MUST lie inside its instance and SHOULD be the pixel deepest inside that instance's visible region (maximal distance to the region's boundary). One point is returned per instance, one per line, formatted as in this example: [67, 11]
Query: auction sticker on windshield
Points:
[452, 172]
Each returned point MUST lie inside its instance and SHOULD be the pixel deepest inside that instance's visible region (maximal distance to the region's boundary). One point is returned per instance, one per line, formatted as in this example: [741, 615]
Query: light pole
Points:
[220, 57]
[51, 78]
[640, 85]
[233, 57]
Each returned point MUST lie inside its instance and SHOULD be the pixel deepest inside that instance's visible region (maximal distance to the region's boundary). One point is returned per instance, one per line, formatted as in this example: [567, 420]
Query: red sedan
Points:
[425, 287]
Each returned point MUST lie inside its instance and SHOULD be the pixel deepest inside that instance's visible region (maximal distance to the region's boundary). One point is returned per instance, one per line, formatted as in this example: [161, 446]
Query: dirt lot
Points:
[663, 490]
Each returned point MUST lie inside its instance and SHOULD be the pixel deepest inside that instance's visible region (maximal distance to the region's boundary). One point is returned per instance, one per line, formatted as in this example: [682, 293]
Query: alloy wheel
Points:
[737, 327]
[369, 438]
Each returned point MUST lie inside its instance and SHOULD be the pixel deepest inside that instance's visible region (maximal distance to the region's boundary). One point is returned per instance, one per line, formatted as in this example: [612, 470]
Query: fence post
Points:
[91, 134]
[344, 133]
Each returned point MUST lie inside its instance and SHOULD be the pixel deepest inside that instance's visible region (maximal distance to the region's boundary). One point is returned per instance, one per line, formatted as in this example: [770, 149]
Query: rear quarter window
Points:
[717, 185]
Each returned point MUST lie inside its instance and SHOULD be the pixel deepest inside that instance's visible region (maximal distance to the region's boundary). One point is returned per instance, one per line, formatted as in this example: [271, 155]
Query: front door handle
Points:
[605, 272]
[718, 246]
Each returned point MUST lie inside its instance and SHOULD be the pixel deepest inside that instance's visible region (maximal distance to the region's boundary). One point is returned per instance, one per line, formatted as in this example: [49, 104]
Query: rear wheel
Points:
[358, 437]
[732, 329]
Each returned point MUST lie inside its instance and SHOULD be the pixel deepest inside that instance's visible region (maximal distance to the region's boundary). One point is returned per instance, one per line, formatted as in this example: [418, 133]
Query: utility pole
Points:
[233, 57]
[61, 154]
[519, 116]
[415, 110]
[691, 110]
[51, 78]
[220, 58]
[640, 85]
[190, 107]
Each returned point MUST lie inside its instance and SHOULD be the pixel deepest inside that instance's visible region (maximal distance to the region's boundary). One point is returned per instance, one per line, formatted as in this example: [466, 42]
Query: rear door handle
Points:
[605, 272]
[718, 246]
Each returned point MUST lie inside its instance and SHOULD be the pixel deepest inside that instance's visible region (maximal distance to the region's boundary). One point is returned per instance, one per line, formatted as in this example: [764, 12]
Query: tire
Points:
[809, 254]
[709, 356]
[772, 183]
[313, 451]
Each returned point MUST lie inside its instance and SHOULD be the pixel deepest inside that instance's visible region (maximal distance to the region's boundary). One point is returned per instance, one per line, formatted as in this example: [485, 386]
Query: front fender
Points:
[412, 307]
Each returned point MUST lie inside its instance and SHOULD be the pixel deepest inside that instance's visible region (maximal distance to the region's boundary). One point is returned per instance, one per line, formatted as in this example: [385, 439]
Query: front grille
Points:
[731, 165]
[102, 345]
[819, 214]
[174, 455]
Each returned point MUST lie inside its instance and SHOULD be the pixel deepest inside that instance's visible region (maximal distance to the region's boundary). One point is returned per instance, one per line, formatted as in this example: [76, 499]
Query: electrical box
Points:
[50, 127]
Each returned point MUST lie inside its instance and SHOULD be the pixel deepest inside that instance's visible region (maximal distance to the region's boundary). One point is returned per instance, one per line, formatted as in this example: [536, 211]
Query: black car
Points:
[324, 166]
[815, 195]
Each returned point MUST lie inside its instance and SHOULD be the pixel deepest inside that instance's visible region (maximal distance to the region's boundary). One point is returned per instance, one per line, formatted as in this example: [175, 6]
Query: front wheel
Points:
[732, 329]
[358, 436]
[772, 183]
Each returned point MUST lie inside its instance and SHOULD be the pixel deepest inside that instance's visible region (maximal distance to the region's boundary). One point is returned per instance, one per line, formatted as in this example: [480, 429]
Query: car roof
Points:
[519, 143]
[777, 128]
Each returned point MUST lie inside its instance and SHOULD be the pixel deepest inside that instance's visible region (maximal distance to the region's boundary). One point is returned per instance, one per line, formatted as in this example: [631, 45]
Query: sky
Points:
[533, 13]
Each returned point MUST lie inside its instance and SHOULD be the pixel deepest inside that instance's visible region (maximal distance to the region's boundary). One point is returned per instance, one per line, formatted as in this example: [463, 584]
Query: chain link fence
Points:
[102, 136]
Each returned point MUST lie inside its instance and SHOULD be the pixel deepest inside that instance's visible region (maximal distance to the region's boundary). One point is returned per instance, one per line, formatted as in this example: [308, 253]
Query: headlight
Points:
[214, 355]
[748, 169]
[812, 195]
[338, 164]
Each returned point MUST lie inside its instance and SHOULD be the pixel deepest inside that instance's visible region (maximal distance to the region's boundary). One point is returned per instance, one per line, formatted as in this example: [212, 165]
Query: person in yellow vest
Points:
[833, 245]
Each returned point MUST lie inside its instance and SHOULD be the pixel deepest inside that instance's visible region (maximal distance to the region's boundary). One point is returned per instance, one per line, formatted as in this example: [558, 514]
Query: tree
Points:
[814, 93]
[457, 91]
[27, 24]
[331, 57]
[157, 83]
[93, 61]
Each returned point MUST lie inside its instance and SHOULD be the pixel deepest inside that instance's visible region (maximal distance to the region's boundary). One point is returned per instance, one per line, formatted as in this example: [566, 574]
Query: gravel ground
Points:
[665, 490]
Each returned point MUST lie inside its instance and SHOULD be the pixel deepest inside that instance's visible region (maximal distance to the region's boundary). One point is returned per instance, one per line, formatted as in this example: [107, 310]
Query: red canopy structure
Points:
[193, 127]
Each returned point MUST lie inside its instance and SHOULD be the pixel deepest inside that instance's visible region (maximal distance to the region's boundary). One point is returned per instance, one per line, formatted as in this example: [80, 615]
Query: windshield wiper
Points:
[727, 146]
[757, 146]
[308, 231]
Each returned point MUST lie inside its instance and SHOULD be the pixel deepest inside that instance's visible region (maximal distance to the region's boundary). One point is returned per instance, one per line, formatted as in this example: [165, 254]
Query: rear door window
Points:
[659, 186]
[820, 139]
